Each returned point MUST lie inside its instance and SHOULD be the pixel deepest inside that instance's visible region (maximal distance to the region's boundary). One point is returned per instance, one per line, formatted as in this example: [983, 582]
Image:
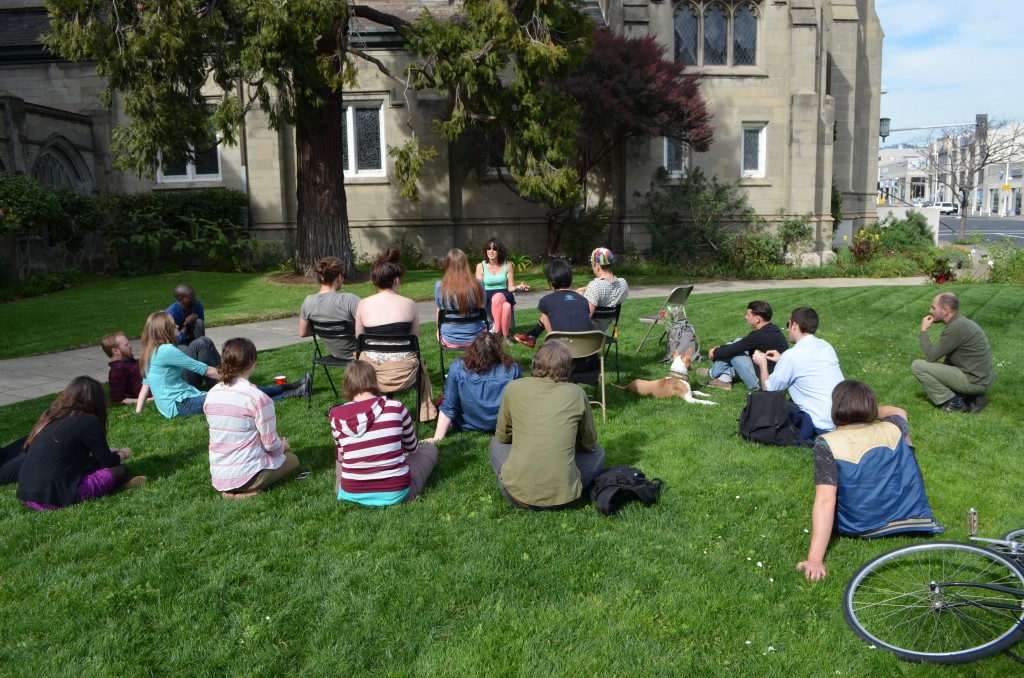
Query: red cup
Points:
[281, 380]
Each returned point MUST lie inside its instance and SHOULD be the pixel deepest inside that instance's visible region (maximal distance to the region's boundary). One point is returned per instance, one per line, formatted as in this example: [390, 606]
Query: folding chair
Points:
[612, 333]
[334, 329]
[584, 345]
[676, 297]
[451, 318]
[400, 343]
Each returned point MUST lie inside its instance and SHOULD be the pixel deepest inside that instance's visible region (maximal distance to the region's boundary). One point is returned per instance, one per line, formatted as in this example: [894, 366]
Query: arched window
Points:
[716, 36]
[59, 164]
[744, 36]
[716, 33]
[686, 35]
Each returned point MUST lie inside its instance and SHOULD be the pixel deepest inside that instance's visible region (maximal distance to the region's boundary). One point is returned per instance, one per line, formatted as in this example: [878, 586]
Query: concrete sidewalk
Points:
[36, 376]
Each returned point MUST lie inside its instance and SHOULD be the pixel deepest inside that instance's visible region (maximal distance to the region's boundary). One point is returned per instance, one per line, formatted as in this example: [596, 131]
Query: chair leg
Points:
[644, 341]
[604, 408]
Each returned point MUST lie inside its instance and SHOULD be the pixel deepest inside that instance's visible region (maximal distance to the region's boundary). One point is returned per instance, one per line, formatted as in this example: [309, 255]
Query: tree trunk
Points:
[322, 213]
[963, 215]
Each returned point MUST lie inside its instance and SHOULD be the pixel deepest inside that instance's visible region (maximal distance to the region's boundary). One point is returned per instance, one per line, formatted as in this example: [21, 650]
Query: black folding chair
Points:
[612, 333]
[401, 343]
[334, 329]
[676, 297]
[452, 318]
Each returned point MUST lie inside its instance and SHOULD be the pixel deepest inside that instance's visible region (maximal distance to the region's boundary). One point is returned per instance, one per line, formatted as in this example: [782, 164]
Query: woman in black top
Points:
[68, 459]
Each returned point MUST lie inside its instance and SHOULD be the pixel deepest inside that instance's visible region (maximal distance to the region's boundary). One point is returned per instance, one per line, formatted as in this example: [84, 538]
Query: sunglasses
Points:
[491, 249]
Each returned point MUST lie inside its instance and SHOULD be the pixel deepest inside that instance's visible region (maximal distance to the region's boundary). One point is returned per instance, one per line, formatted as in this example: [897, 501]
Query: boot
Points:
[298, 389]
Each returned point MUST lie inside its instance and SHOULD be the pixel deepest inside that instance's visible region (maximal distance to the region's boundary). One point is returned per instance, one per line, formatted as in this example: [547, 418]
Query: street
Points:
[990, 228]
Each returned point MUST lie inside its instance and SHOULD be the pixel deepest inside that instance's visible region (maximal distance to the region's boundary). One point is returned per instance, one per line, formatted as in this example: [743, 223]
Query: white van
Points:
[947, 208]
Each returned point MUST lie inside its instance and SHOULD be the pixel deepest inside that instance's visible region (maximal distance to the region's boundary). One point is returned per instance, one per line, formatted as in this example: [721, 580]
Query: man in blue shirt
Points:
[188, 314]
[809, 370]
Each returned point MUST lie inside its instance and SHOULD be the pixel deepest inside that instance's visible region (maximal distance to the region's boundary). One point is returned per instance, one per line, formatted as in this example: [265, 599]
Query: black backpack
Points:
[765, 419]
[619, 485]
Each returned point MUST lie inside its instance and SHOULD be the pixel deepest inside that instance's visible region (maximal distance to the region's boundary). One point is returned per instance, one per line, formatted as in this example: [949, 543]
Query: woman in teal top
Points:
[163, 362]
[499, 283]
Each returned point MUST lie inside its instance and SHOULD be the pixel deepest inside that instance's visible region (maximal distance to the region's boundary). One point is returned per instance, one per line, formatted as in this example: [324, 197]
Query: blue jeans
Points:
[738, 366]
[190, 406]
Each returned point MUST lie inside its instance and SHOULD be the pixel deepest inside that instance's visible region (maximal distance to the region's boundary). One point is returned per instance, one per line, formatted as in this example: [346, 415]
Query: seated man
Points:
[605, 289]
[188, 315]
[125, 377]
[544, 451]
[563, 310]
[809, 370]
[959, 384]
[733, 359]
[866, 479]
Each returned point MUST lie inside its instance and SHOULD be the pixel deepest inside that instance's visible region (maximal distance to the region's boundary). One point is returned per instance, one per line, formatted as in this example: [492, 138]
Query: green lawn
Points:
[84, 314]
[171, 579]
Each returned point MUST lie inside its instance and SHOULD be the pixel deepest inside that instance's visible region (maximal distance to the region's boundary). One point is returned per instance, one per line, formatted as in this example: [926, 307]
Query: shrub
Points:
[909, 235]
[866, 244]
[794, 232]
[1006, 262]
[582, 232]
[753, 249]
[688, 219]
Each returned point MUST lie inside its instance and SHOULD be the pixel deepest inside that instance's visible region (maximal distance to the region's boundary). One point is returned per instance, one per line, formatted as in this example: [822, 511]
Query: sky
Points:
[944, 61]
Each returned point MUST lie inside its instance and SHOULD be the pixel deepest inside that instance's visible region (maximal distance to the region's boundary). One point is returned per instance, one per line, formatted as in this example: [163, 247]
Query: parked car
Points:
[947, 207]
[922, 203]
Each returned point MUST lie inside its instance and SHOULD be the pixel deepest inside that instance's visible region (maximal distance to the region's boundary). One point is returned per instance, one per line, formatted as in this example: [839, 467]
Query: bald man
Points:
[959, 384]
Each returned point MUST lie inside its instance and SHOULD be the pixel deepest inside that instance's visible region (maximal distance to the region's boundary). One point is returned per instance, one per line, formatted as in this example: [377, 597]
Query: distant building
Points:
[794, 87]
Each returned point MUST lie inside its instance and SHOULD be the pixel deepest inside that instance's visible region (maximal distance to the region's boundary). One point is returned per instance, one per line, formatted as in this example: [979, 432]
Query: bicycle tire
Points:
[889, 602]
[1014, 535]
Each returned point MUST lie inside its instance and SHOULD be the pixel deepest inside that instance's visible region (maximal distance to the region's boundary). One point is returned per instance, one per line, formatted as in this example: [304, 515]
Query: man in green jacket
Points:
[959, 384]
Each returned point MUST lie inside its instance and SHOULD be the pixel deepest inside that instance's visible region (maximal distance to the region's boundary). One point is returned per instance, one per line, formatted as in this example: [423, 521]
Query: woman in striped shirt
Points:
[379, 462]
[246, 454]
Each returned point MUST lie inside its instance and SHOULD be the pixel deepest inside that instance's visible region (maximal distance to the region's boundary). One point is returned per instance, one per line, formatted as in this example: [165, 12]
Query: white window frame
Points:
[683, 171]
[351, 170]
[190, 174]
[762, 150]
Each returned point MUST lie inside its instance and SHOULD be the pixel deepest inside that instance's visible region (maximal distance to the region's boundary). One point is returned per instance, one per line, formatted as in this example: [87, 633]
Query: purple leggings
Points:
[92, 486]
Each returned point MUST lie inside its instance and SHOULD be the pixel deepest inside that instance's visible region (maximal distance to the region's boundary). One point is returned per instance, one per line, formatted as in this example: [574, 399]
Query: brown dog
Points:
[671, 386]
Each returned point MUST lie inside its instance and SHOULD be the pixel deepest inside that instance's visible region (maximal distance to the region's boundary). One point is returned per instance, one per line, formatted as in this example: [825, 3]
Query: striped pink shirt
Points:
[243, 434]
[372, 438]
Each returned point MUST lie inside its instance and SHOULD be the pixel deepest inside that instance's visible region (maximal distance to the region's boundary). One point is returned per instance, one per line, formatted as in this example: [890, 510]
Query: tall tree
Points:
[566, 111]
[955, 157]
[161, 56]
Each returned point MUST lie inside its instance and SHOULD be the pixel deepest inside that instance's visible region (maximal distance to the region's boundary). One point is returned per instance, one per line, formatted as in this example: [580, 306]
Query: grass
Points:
[88, 312]
[169, 578]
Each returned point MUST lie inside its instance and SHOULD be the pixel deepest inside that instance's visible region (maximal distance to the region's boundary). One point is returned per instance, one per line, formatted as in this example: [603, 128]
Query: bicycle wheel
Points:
[1014, 535]
[934, 602]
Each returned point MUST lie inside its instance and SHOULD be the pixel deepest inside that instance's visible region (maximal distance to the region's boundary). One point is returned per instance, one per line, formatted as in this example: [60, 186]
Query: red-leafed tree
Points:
[628, 89]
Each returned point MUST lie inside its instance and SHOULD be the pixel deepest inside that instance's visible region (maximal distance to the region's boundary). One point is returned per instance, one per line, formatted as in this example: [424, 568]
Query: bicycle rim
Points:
[890, 602]
[1014, 535]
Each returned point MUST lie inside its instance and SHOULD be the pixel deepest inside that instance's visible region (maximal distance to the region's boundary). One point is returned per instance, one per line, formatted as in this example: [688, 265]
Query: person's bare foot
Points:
[239, 495]
[134, 482]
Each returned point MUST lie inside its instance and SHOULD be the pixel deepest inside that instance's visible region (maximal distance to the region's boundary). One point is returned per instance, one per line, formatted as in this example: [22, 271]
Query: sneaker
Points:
[975, 404]
[954, 404]
[508, 342]
[717, 383]
[134, 482]
[299, 389]
[526, 340]
[703, 372]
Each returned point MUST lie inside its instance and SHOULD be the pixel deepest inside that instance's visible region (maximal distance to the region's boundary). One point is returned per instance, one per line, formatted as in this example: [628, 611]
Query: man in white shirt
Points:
[809, 370]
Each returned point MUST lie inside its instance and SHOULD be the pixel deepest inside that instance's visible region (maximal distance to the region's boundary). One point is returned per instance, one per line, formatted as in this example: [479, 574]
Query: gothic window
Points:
[362, 151]
[753, 149]
[677, 158]
[60, 165]
[716, 33]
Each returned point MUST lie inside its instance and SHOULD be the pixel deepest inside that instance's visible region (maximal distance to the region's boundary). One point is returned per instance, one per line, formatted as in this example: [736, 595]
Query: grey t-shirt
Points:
[332, 307]
[602, 292]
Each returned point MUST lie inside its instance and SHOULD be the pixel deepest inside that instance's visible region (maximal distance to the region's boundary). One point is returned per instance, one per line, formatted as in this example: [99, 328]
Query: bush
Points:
[753, 249]
[582, 233]
[688, 219]
[866, 244]
[910, 235]
[1006, 262]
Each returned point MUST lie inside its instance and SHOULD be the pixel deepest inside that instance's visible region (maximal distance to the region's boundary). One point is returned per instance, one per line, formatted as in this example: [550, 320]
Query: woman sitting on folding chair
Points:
[330, 305]
[475, 384]
[458, 293]
[389, 313]
[498, 278]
